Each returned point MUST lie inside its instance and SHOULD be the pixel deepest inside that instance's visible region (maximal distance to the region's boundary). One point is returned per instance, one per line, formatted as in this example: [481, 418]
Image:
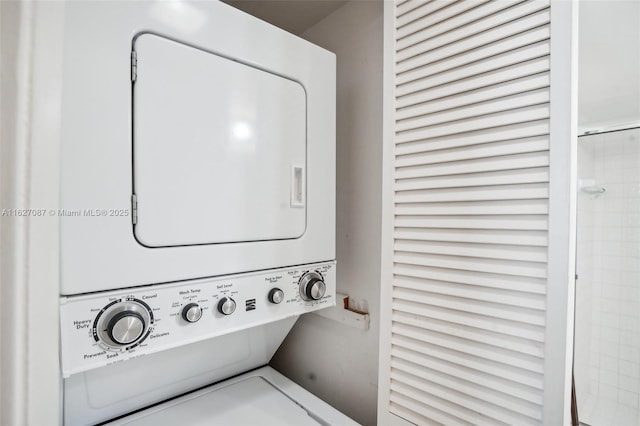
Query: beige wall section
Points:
[334, 361]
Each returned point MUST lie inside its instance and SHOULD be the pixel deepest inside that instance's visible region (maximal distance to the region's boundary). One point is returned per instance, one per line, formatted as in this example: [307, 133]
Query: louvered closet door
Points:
[470, 218]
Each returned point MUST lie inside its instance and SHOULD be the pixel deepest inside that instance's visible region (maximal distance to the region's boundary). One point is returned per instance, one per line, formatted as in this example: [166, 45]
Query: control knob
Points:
[125, 327]
[276, 295]
[124, 324]
[226, 306]
[191, 312]
[312, 286]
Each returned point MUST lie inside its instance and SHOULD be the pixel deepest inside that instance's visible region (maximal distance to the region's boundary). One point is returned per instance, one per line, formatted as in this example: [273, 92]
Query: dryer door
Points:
[219, 148]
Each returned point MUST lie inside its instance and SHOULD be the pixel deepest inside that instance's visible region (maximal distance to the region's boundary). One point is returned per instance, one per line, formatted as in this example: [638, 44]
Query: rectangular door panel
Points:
[219, 148]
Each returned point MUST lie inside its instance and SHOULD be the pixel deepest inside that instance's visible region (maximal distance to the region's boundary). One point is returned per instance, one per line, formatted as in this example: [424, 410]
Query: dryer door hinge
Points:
[134, 66]
[134, 209]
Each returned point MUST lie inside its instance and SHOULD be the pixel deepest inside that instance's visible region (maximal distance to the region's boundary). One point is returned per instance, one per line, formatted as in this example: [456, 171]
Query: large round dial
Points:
[226, 306]
[312, 286]
[125, 327]
[123, 323]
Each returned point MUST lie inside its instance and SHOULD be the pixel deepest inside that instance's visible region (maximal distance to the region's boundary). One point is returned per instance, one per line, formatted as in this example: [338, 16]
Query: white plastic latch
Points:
[297, 186]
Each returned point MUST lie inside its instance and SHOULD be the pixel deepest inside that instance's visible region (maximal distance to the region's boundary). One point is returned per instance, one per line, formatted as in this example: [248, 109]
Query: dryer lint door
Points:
[219, 148]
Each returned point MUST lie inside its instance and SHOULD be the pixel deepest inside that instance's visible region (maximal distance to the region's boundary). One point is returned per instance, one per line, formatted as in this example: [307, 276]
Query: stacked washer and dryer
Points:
[198, 200]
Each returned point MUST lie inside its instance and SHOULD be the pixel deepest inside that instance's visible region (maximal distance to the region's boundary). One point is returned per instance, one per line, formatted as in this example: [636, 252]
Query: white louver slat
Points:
[452, 32]
[471, 221]
[455, 46]
[423, 79]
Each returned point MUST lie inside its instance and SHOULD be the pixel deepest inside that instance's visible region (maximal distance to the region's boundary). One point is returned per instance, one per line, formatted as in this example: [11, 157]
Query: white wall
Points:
[335, 362]
[29, 364]
[10, 373]
[609, 69]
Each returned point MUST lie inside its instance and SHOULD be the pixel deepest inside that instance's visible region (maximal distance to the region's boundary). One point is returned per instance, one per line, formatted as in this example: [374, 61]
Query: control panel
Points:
[100, 329]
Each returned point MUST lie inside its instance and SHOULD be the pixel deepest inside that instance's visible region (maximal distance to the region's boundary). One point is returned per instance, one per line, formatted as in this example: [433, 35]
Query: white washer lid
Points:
[253, 401]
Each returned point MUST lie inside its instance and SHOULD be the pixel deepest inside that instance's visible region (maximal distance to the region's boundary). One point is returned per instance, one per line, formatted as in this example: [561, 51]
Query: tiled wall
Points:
[607, 360]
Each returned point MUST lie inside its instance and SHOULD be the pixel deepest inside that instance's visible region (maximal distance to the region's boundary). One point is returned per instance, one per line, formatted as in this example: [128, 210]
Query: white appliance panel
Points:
[100, 251]
[84, 324]
[104, 393]
[219, 148]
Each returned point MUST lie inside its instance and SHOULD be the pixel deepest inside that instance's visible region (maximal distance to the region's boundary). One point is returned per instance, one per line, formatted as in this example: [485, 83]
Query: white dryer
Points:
[197, 212]
[197, 141]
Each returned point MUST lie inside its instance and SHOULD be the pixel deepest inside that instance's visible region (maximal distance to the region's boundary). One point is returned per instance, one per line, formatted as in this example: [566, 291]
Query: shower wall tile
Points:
[609, 377]
[629, 337]
[628, 398]
[609, 360]
[608, 392]
[628, 383]
[630, 353]
[631, 324]
[630, 369]
[625, 416]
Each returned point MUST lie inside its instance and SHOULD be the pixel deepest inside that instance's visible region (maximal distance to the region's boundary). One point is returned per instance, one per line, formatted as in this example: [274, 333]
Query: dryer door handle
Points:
[298, 187]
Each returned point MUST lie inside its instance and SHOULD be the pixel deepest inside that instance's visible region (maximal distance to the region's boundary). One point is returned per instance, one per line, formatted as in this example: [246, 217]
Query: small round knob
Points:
[191, 312]
[125, 327]
[312, 286]
[276, 295]
[226, 306]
